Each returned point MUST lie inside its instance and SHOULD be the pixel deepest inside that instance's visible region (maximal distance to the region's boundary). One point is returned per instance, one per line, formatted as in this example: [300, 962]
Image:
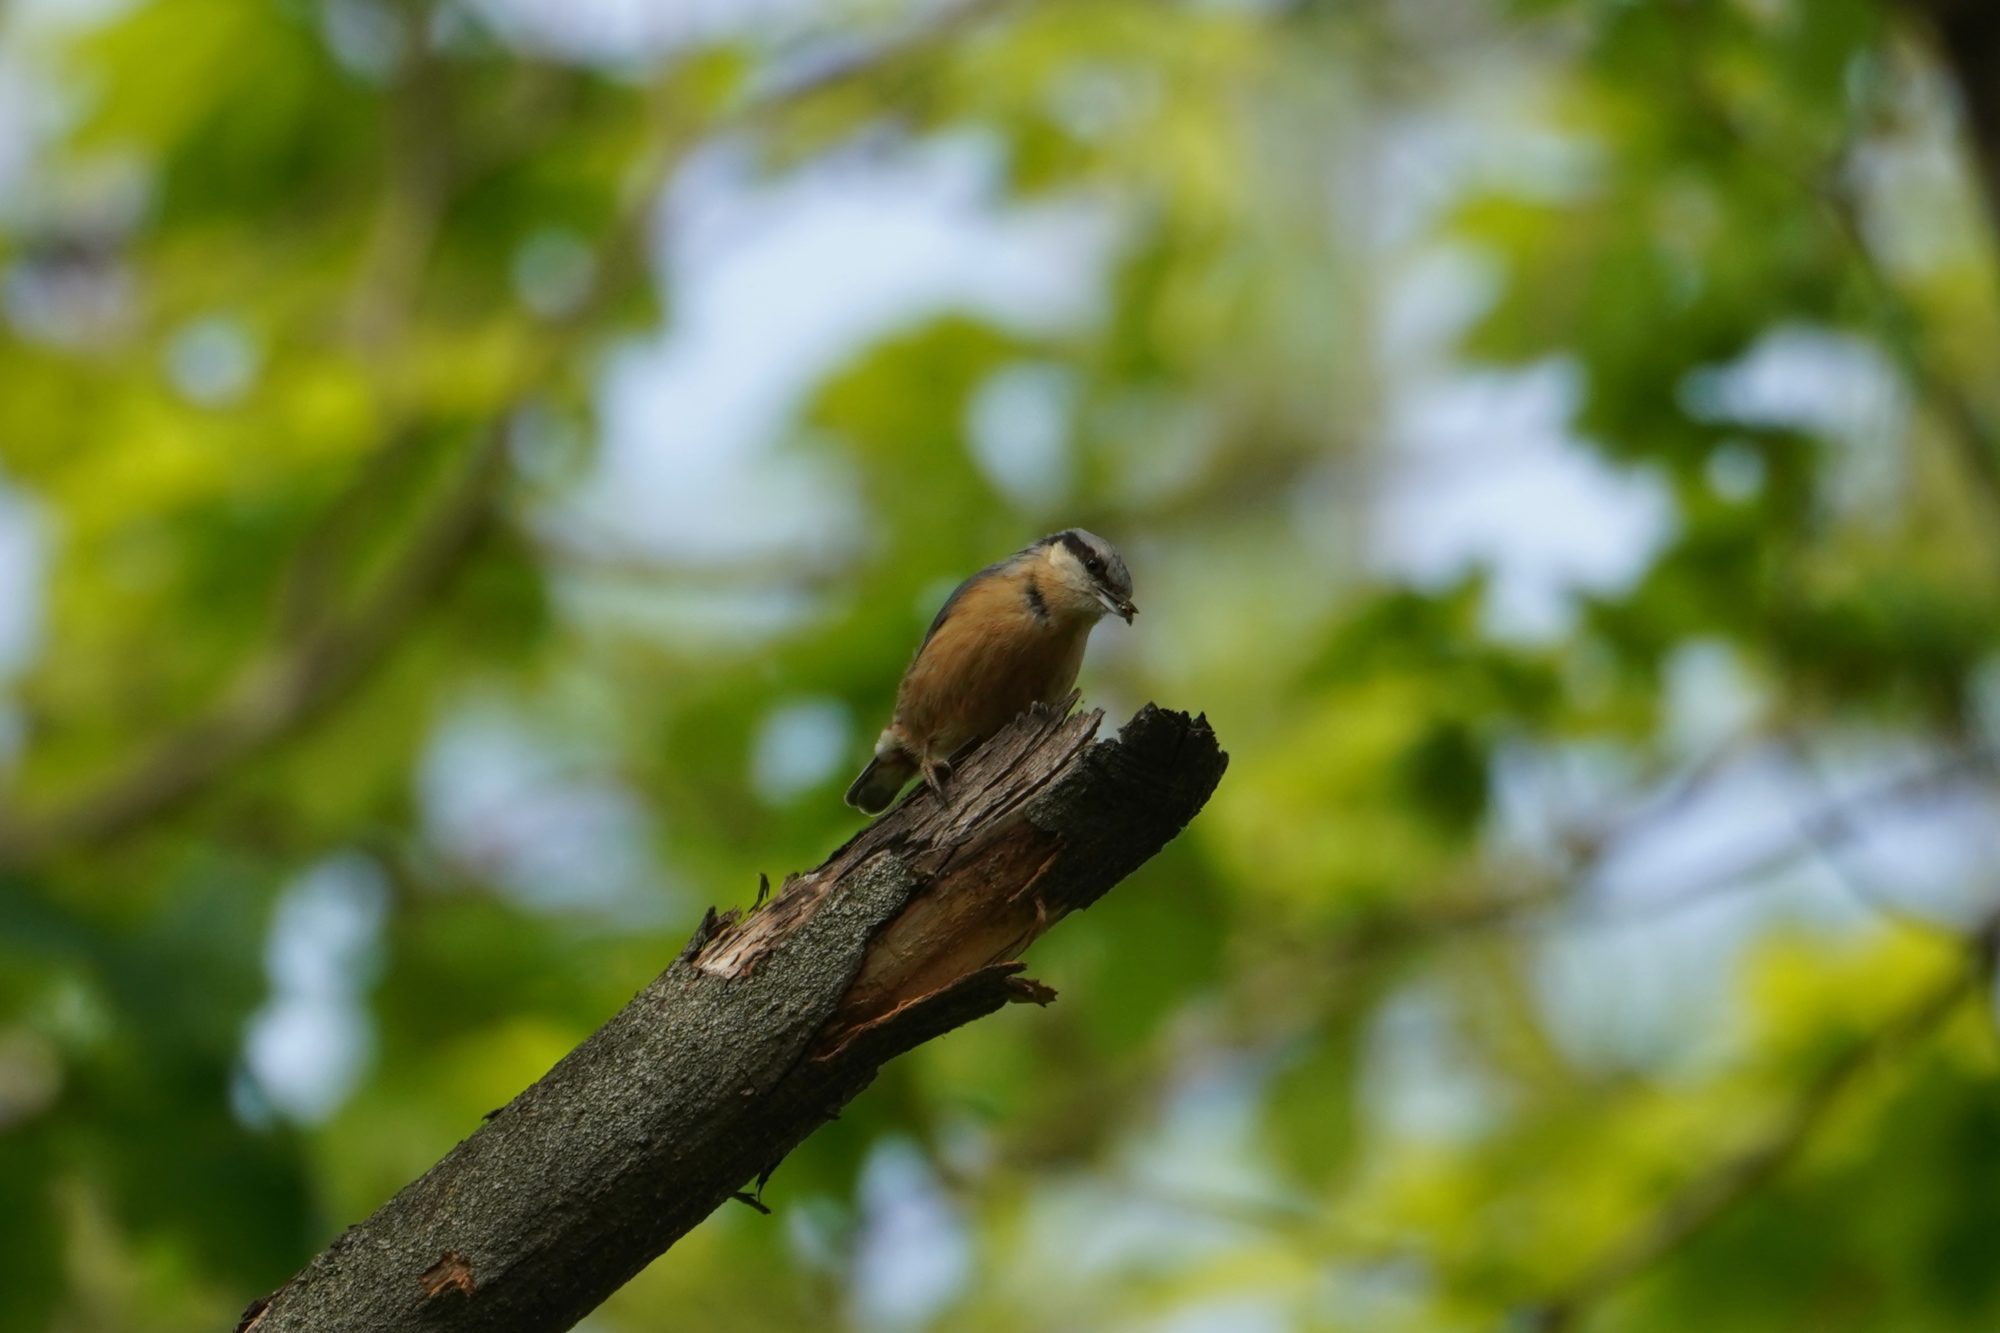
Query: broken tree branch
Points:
[763, 1028]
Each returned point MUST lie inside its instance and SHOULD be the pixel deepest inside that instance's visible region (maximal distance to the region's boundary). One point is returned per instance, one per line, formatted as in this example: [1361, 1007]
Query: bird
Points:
[1010, 636]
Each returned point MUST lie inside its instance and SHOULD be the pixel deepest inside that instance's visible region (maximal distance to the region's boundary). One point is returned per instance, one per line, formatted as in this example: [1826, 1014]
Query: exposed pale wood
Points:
[759, 1032]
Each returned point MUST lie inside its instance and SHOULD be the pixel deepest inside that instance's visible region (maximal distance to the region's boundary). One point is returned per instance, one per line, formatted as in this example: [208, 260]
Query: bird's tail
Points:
[878, 784]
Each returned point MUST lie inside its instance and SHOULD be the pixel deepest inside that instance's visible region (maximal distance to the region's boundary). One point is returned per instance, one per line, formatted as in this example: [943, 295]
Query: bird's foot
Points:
[936, 772]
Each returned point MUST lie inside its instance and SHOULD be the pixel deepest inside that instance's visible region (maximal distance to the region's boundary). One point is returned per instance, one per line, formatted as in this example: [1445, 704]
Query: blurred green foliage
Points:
[309, 309]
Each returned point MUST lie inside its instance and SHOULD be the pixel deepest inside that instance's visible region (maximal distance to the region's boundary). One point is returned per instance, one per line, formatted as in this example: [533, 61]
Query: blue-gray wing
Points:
[944, 612]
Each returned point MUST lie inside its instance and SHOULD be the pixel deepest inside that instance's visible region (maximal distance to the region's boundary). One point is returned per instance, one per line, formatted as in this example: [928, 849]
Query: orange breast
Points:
[990, 659]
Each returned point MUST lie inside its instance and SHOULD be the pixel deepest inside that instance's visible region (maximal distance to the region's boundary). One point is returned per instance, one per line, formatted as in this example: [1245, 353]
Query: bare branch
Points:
[762, 1030]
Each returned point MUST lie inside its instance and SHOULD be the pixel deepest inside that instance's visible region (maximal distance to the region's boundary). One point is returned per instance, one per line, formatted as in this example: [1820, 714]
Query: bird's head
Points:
[1090, 574]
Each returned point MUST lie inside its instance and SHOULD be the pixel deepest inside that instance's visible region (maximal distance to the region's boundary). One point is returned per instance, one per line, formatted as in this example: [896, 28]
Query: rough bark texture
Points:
[761, 1030]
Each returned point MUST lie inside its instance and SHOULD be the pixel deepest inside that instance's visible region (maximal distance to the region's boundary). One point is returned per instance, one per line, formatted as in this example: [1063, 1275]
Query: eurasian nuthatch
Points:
[1009, 636]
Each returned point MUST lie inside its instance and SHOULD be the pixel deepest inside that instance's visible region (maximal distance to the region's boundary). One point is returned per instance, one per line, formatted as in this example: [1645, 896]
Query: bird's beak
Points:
[1118, 606]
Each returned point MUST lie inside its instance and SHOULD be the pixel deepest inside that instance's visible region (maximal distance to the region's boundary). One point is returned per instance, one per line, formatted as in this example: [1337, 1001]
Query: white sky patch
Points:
[1986, 701]
[1644, 966]
[1710, 698]
[1833, 385]
[1206, 1139]
[213, 361]
[19, 104]
[66, 13]
[1930, 849]
[1079, 1234]
[1920, 208]
[914, 1255]
[23, 565]
[308, 1046]
[1936, 821]
[24, 540]
[1641, 994]
[534, 812]
[800, 745]
[1417, 1082]
[1484, 472]
[1019, 424]
[776, 285]
[1643, 970]
[1797, 375]
[627, 32]
[34, 104]
[1741, 819]
[1226, 1314]
[1161, 1206]
[1482, 468]
[1436, 294]
[365, 36]
[1483, 135]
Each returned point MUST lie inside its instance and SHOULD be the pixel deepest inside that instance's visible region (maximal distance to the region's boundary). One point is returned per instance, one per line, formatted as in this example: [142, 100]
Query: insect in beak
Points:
[1118, 606]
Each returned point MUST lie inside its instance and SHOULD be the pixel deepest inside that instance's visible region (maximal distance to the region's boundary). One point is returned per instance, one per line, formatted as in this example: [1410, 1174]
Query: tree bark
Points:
[765, 1026]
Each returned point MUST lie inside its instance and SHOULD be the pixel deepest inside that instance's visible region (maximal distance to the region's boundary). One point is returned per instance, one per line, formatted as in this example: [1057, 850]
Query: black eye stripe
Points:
[1094, 562]
[1076, 547]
